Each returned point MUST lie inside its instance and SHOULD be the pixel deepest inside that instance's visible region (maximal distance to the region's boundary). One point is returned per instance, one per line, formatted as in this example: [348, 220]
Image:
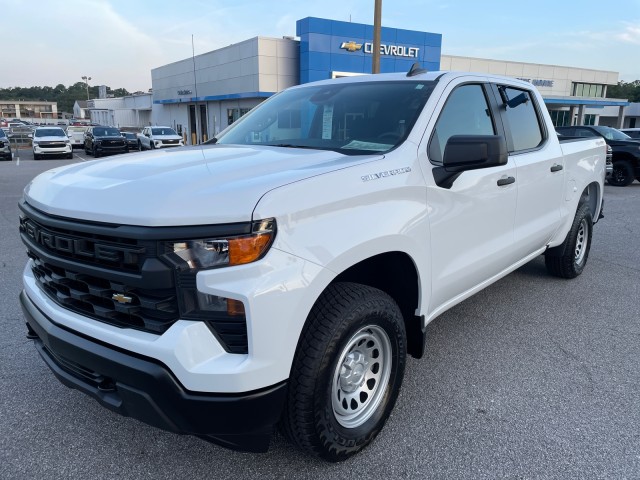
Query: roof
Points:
[82, 103]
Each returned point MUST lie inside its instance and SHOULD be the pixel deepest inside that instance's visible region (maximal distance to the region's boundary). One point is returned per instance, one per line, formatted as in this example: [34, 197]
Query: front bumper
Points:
[145, 389]
[37, 150]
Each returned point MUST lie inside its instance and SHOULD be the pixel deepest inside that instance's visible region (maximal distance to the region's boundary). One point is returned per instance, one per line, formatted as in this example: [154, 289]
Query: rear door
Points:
[537, 155]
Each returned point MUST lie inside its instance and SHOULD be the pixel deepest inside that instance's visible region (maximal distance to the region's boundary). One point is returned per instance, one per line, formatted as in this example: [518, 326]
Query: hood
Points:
[48, 138]
[178, 186]
[624, 143]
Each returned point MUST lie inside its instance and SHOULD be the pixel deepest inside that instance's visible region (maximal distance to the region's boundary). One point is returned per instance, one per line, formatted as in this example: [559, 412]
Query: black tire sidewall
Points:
[329, 428]
[583, 213]
[628, 174]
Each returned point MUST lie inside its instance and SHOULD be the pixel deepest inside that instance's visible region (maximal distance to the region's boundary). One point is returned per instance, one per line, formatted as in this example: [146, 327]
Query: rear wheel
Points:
[139, 145]
[622, 174]
[347, 371]
[569, 259]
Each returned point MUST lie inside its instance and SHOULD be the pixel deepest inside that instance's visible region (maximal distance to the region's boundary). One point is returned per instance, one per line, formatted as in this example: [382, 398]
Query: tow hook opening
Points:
[107, 385]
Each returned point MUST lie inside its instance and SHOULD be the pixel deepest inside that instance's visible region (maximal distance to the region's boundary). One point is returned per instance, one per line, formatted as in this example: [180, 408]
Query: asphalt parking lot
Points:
[534, 377]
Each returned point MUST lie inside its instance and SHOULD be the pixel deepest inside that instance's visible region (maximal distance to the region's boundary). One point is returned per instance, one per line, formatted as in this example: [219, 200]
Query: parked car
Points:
[103, 141]
[5, 146]
[632, 132]
[283, 274]
[626, 151]
[159, 137]
[49, 141]
[132, 140]
[76, 135]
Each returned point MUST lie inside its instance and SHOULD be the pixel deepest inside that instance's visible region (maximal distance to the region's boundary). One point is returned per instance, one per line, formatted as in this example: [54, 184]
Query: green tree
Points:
[628, 90]
[65, 97]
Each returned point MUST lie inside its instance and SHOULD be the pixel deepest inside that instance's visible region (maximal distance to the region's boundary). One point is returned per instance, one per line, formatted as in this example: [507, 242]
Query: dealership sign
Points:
[537, 82]
[393, 50]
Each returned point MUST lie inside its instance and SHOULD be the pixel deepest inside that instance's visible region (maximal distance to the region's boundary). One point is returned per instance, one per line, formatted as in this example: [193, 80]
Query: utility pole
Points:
[377, 13]
[195, 135]
[86, 82]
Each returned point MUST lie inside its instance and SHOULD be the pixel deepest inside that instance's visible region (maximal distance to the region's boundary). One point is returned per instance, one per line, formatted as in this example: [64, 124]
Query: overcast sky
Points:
[118, 42]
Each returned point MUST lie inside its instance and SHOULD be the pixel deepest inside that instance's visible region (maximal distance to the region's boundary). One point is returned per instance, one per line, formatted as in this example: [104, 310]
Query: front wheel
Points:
[568, 259]
[346, 373]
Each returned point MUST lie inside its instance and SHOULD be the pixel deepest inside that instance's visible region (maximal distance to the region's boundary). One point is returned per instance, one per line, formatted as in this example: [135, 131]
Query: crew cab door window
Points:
[465, 113]
[525, 131]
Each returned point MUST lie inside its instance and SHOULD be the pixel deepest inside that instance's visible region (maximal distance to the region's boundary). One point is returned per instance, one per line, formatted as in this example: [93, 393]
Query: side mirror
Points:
[469, 152]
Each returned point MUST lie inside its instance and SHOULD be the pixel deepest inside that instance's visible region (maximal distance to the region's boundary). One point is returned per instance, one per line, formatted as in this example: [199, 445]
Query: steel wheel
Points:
[581, 242]
[361, 376]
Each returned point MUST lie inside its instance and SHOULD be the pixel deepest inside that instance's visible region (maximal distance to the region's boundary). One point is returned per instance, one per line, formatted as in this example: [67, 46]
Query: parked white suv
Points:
[51, 141]
[159, 137]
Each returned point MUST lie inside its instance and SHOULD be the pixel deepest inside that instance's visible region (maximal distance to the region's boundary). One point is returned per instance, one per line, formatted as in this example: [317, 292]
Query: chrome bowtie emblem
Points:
[120, 298]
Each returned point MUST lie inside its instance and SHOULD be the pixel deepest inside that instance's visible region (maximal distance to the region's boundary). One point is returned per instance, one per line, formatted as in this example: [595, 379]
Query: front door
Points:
[471, 222]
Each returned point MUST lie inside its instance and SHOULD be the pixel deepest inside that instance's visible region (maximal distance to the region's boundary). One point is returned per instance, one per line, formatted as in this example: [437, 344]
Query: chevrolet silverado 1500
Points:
[282, 275]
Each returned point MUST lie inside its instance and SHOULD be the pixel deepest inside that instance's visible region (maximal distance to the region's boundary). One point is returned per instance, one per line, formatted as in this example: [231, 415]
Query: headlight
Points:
[206, 253]
[36, 143]
[225, 317]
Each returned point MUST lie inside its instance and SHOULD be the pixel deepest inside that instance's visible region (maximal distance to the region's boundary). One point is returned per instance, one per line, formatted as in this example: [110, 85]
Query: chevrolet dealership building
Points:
[201, 96]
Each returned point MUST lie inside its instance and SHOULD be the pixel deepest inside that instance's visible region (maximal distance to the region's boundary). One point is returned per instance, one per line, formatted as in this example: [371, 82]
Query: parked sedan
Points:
[132, 140]
[104, 140]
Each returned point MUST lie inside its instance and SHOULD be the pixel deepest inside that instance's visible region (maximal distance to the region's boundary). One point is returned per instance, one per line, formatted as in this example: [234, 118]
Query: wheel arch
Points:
[396, 274]
[592, 196]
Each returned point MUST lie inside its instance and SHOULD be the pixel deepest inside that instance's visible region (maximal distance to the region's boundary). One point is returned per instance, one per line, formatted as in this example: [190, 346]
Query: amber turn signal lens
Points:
[235, 308]
[248, 249]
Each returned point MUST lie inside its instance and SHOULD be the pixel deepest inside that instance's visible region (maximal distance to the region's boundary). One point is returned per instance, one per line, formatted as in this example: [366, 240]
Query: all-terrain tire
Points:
[346, 373]
[569, 259]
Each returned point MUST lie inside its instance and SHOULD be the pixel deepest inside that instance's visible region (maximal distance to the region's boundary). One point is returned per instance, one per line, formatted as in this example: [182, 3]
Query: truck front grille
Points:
[117, 274]
[111, 302]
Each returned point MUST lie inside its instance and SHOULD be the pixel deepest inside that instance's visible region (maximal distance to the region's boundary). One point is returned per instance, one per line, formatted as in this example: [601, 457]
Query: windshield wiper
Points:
[291, 145]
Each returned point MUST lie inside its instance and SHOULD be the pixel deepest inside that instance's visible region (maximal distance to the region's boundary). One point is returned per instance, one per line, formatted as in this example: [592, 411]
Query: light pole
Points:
[86, 81]
[377, 14]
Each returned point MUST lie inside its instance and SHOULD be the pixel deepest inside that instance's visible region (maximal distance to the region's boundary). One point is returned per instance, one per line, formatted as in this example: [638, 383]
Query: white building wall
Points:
[562, 77]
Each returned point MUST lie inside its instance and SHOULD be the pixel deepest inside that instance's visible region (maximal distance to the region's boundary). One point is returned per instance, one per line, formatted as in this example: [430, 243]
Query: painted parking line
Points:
[80, 157]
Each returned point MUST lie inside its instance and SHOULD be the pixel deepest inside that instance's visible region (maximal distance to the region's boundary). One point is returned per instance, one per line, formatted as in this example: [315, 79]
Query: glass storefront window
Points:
[588, 90]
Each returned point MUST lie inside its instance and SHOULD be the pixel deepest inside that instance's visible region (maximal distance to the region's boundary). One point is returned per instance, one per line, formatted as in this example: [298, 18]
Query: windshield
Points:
[611, 133]
[106, 132]
[163, 131]
[49, 132]
[352, 118]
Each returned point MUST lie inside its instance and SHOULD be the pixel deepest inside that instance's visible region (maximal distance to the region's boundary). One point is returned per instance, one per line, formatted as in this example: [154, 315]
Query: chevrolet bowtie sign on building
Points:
[330, 48]
[351, 46]
[394, 50]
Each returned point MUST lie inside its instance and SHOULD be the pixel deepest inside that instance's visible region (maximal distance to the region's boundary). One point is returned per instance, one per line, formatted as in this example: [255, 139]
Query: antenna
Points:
[416, 69]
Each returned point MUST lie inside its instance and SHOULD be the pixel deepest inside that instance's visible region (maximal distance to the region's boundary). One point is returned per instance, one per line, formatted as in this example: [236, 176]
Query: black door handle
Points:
[506, 181]
[556, 168]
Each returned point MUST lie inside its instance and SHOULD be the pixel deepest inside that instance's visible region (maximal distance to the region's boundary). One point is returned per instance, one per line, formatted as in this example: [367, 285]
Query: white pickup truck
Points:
[282, 275]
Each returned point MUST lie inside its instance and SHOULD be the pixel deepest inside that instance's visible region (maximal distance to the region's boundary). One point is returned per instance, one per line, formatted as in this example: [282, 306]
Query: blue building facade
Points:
[331, 47]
